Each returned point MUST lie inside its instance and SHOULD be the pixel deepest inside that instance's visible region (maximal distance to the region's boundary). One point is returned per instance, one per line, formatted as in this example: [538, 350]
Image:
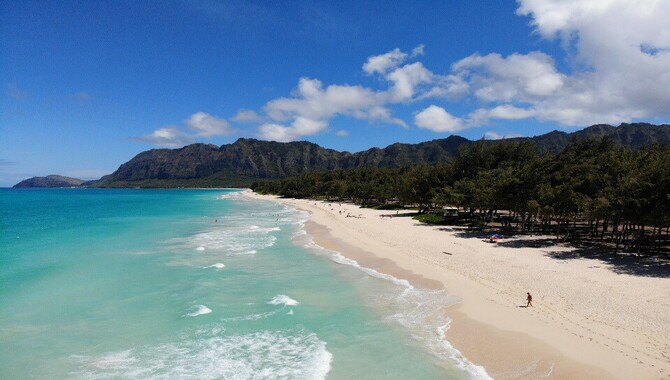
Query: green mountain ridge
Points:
[247, 160]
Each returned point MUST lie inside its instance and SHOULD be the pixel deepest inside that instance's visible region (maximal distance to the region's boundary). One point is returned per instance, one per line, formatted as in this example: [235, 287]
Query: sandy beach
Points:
[590, 319]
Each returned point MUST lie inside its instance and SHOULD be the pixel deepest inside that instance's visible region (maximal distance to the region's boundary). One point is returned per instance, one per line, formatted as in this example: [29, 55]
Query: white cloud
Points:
[342, 133]
[450, 87]
[206, 125]
[437, 119]
[382, 63]
[405, 80]
[621, 54]
[620, 51]
[419, 50]
[201, 123]
[247, 116]
[518, 77]
[503, 112]
[492, 135]
[509, 112]
[552, 17]
[301, 127]
[168, 137]
[314, 102]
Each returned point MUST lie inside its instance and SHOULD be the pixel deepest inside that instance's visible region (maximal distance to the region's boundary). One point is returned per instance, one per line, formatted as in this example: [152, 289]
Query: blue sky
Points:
[86, 85]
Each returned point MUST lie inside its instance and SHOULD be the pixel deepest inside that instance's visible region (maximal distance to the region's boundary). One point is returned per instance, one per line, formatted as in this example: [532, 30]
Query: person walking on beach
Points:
[529, 298]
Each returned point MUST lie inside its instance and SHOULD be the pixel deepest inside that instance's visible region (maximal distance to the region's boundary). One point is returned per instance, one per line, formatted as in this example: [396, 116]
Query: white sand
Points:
[589, 319]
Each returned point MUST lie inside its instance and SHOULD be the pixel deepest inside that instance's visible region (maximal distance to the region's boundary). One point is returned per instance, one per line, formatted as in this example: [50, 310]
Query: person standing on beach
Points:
[529, 298]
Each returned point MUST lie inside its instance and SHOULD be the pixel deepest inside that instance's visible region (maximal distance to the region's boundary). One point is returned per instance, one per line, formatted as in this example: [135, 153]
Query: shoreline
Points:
[586, 321]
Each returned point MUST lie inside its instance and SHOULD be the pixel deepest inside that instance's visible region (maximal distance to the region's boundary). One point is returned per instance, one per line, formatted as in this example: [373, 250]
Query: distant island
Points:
[50, 181]
[248, 160]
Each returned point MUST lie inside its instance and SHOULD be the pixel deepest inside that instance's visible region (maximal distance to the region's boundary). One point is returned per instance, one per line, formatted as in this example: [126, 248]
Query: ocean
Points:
[200, 284]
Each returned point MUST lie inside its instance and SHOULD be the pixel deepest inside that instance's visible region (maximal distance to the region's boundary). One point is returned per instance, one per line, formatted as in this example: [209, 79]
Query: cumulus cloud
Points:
[382, 63]
[622, 55]
[502, 112]
[419, 50]
[318, 103]
[206, 125]
[451, 87]
[167, 137]
[247, 116]
[518, 77]
[437, 119]
[492, 135]
[314, 102]
[491, 79]
[620, 59]
[405, 80]
[299, 128]
[200, 124]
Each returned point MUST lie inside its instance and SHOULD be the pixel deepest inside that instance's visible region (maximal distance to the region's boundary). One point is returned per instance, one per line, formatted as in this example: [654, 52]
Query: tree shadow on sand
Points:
[616, 261]
[506, 240]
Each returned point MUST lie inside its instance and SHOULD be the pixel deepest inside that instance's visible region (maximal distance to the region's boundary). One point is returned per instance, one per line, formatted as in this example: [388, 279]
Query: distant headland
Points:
[50, 181]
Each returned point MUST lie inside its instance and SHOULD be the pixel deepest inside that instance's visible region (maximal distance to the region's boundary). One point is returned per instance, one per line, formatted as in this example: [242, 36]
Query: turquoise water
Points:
[201, 284]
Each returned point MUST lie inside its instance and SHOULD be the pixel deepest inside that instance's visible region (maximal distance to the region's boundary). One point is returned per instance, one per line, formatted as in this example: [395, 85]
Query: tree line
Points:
[595, 189]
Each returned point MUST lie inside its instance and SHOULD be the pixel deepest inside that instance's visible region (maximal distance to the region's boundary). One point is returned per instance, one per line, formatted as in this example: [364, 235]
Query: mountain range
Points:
[247, 160]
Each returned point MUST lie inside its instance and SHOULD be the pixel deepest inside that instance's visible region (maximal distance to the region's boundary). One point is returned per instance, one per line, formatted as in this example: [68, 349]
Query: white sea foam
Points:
[201, 310]
[252, 317]
[234, 240]
[109, 361]
[282, 299]
[217, 266]
[476, 371]
[236, 195]
[240, 233]
[261, 355]
[340, 259]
